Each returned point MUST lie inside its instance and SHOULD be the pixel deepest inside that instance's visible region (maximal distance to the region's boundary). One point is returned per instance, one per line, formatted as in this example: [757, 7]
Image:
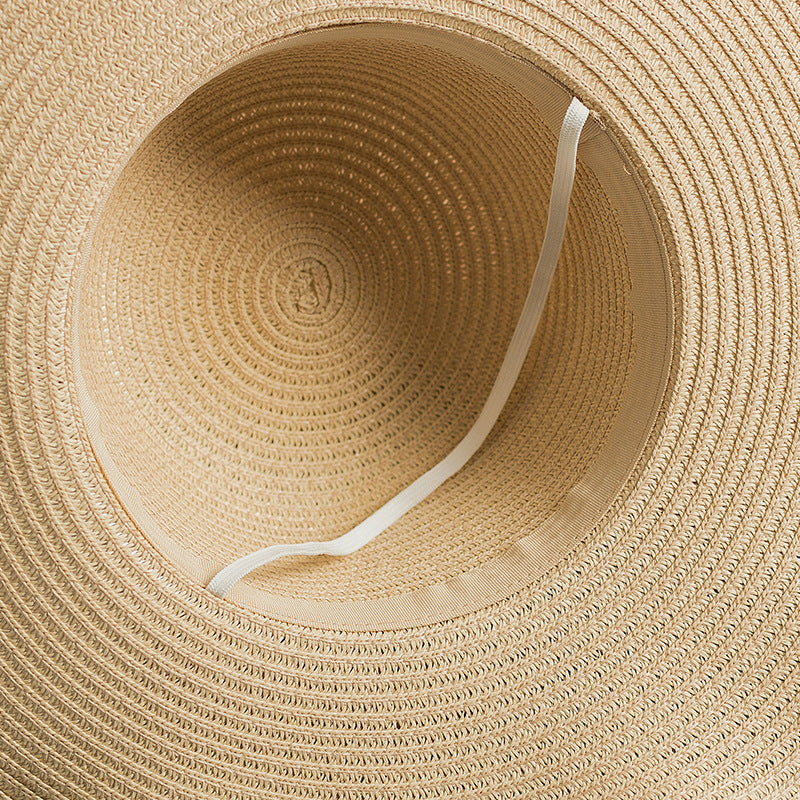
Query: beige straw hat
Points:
[263, 267]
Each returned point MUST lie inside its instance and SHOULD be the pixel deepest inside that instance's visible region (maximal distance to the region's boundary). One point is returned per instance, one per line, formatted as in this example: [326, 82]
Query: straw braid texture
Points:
[659, 658]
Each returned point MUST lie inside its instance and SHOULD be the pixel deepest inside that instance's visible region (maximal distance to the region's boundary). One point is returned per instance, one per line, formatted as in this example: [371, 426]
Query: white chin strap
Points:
[388, 514]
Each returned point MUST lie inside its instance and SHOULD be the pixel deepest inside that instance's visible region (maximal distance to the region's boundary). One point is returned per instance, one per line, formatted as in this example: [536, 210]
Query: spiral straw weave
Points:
[292, 317]
[292, 267]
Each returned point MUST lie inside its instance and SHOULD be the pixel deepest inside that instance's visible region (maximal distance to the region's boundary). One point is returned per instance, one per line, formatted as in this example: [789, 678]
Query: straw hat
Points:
[261, 264]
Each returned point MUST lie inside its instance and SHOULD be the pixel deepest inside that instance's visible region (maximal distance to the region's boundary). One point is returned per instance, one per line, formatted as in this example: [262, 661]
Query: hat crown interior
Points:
[299, 292]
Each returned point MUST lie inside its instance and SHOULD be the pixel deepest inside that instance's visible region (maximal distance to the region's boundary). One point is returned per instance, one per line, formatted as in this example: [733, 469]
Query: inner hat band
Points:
[564, 174]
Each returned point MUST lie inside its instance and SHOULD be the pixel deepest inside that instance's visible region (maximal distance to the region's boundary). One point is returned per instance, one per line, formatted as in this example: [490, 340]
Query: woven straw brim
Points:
[652, 652]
